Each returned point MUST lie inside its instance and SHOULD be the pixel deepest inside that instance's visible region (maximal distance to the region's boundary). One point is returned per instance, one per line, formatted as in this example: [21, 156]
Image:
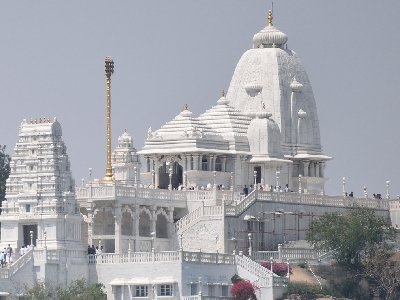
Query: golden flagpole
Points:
[109, 65]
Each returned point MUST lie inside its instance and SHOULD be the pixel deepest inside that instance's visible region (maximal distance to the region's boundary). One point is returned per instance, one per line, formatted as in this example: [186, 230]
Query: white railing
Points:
[201, 297]
[203, 257]
[163, 256]
[265, 275]
[191, 218]
[310, 199]
[291, 254]
[13, 268]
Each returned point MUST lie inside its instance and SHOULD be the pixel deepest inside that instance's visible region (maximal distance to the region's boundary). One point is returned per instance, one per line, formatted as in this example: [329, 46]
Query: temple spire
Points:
[270, 18]
[109, 68]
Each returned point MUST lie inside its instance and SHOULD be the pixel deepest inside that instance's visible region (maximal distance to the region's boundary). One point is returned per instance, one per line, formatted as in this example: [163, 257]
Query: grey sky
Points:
[168, 53]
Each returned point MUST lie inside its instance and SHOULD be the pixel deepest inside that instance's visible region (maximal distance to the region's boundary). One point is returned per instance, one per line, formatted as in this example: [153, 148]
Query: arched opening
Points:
[144, 224]
[176, 171]
[161, 226]
[103, 223]
[126, 224]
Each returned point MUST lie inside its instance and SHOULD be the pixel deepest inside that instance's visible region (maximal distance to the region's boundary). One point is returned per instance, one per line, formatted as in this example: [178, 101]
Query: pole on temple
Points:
[109, 68]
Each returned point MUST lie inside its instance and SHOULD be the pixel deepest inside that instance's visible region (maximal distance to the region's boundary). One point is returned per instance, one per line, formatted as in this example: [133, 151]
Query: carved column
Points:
[312, 169]
[223, 166]
[306, 165]
[322, 169]
[317, 168]
[117, 224]
[153, 210]
[136, 214]
[156, 174]
[195, 162]
[170, 221]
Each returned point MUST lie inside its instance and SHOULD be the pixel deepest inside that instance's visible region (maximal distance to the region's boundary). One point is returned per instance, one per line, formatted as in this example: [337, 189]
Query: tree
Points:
[77, 290]
[382, 267]
[4, 171]
[350, 234]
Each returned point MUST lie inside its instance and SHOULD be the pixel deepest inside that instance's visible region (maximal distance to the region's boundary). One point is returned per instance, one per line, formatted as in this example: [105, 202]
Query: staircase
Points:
[242, 206]
[10, 270]
[193, 217]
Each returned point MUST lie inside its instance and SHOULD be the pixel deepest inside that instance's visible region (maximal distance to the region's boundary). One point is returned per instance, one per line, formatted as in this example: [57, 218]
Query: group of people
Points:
[94, 250]
[271, 189]
[6, 256]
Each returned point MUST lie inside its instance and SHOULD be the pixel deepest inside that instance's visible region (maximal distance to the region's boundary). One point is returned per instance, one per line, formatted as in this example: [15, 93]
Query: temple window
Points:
[161, 226]
[218, 164]
[144, 224]
[204, 163]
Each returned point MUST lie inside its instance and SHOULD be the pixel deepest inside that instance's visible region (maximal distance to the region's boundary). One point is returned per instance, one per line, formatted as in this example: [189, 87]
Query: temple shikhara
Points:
[207, 197]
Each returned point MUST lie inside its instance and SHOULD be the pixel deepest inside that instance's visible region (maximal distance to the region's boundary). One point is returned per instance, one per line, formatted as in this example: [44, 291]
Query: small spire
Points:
[270, 18]
[185, 107]
[223, 93]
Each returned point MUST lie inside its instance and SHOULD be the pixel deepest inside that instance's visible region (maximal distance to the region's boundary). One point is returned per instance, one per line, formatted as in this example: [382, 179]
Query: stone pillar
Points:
[136, 214]
[306, 165]
[317, 167]
[171, 228]
[211, 163]
[312, 169]
[223, 166]
[117, 224]
[156, 174]
[90, 226]
[153, 210]
[322, 169]
[195, 162]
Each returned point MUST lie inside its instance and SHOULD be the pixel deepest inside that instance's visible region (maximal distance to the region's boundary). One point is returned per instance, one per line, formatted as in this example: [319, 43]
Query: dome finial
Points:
[223, 93]
[185, 107]
[270, 18]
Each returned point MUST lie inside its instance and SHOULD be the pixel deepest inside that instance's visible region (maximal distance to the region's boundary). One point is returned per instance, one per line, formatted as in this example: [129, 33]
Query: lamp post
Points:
[344, 186]
[180, 241]
[153, 178]
[277, 180]
[135, 172]
[300, 189]
[255, 180]
[152, 240]
[387, 189]
[231, 181]
[31, 234]
[215, 179]
[45, 239]
[250, 246]
[170, 177]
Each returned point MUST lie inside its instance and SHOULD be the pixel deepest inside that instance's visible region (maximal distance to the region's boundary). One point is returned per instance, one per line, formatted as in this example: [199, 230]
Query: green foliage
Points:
[78, 290]
[351, 234]
[4, 171]
[309, 291]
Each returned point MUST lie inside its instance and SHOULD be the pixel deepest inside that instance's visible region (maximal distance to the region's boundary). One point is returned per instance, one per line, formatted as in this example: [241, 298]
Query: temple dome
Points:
[270, 36]
[125, 140]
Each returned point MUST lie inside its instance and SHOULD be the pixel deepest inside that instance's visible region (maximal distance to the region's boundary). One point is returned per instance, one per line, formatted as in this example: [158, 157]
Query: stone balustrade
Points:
[163, 256]
[265, 275]
[308, 199]
[290, 254]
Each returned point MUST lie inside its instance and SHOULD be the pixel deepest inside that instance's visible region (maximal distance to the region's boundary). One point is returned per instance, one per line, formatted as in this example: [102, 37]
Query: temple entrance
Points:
[27, 234]
[257, 170]
[176, 171]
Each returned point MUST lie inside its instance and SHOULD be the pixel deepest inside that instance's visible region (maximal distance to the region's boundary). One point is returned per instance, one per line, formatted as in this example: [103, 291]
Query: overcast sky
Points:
[168, 53]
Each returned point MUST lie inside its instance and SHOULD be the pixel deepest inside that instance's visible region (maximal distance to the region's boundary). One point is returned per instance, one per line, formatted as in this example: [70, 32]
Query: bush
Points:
[308, 291]
[280, 269]
[243, 290]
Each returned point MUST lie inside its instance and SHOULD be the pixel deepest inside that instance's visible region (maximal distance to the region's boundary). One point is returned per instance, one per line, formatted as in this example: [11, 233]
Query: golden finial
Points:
[270, 18]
